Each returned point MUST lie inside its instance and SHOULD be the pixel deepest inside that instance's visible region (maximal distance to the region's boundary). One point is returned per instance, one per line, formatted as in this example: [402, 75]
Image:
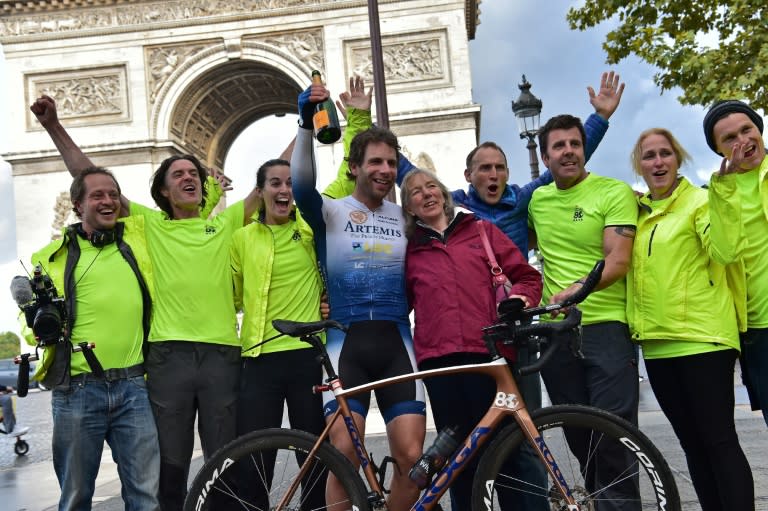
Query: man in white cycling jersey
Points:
[361, 247]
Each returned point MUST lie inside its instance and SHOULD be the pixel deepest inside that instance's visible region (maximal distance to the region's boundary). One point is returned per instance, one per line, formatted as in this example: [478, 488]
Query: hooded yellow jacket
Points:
[684, 285]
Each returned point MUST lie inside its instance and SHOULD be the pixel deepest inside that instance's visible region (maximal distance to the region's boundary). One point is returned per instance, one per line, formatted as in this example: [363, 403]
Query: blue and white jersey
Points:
[361, 252]
[363, 259]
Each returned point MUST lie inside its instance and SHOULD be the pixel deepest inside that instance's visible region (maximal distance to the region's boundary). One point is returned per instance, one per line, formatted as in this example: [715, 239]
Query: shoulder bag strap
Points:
[495, 268]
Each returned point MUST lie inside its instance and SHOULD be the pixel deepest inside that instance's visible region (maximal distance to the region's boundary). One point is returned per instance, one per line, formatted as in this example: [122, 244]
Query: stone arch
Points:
[211, 97]
[187, 76]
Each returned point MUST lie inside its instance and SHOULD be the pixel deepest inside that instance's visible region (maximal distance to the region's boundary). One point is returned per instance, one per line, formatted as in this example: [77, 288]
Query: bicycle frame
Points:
[508, 402]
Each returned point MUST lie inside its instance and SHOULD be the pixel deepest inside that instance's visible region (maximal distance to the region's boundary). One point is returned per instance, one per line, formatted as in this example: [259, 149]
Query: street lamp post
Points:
[527, 109]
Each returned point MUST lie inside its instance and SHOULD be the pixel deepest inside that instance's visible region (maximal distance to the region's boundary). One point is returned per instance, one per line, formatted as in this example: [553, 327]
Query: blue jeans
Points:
[90, 412]
[754, 364]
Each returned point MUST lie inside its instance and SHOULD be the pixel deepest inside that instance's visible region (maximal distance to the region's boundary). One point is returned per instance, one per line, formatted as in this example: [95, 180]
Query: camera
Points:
[44, 310]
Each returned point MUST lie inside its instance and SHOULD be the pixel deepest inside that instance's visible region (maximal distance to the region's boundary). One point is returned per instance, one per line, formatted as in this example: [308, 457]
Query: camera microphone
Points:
[21, 290]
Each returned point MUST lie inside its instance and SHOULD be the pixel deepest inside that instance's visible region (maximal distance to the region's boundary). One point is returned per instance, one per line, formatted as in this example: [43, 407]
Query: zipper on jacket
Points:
[650, 240]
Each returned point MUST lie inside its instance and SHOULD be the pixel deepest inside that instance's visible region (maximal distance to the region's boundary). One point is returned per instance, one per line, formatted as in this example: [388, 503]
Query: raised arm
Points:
[605, 103]
[726, 235]
[44, 109]
[74, 158]
[355, 106]
[607, 99]
[303, 166]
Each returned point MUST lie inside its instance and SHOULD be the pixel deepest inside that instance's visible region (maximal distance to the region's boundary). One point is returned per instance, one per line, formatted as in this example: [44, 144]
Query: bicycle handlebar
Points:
[511, 311]
[514, 329]
[510, 329]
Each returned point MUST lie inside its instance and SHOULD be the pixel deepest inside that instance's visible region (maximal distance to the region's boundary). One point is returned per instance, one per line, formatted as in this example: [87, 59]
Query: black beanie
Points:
[722, 109]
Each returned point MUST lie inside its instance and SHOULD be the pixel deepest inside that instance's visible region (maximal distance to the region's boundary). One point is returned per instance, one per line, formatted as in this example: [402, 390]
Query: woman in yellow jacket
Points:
[682, 311]
[275, 277]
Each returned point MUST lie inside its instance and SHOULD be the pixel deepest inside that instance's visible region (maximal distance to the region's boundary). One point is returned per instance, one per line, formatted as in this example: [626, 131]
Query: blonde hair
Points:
[636, 156]
[405, 196]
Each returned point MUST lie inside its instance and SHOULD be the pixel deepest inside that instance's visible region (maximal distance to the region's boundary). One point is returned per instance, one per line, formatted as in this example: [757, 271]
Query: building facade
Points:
[137, 81]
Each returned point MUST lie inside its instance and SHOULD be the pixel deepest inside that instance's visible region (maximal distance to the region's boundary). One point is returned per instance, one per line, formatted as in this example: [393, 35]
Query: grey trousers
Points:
[605, 378]
[187, 380]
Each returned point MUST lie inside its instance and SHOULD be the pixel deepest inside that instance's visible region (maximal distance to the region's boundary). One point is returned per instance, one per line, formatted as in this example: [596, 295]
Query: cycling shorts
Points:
[370, 351]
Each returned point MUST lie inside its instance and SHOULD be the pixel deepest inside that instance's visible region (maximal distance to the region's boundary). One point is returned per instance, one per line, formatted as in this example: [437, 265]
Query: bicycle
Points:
[302, 460]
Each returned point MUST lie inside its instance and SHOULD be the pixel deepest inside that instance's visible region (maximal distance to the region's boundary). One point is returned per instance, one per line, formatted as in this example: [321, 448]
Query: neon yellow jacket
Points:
[678, 287]
[252, 257]
[723, 190]
[53, 257]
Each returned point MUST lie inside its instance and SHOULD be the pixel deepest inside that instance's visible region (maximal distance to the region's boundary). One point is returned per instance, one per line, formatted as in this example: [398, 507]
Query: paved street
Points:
[28, 483]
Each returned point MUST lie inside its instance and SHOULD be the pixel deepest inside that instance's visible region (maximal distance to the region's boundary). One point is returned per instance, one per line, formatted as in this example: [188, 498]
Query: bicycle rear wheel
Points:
[254, 472]
[605, 461]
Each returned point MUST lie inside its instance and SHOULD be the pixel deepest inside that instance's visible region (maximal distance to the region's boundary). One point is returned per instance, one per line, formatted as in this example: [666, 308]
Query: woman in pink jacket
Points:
[449, 288]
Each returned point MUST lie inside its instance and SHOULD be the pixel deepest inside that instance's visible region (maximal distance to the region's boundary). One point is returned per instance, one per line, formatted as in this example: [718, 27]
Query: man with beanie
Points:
[734, 130]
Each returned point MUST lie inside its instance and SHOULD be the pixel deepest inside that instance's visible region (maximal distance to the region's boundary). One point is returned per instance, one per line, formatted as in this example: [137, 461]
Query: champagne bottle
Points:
[325, 120]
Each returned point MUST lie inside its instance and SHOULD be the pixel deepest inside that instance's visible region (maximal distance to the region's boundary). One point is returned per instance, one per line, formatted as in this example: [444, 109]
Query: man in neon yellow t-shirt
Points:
[193, 361]
[735, 131]
[96, 267]
[577, 220]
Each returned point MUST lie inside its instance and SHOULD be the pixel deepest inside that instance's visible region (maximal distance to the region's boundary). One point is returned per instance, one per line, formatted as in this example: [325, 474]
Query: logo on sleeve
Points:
[209, 229]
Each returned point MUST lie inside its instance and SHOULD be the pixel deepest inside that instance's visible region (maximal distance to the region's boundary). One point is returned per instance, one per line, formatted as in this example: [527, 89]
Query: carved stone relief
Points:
[162, 61]
[424, 161]
[410, 61]
[143, 14]
[306, 46]
[83, 96]
[63, 215]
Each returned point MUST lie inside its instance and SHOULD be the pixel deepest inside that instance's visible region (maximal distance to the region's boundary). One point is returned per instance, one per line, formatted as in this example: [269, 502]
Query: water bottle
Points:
[434, 458]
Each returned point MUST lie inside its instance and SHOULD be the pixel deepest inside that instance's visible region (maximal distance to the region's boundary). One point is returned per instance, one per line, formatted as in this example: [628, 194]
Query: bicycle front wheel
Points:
[254, 472]
[605, 461]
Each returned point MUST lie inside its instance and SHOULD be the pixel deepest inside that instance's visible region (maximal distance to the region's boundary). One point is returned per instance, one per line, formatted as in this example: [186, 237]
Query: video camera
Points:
[44, 310]
[45, 313]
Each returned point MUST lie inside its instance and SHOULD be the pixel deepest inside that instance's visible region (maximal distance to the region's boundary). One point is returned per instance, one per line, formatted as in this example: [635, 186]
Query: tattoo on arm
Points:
[627, 231]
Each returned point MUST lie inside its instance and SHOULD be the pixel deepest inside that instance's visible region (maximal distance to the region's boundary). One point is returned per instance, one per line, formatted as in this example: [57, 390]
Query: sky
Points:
[513, 38]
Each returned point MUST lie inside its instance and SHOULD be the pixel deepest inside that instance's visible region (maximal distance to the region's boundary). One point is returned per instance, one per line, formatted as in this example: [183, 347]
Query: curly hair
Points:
[158, 181]
[360, 143]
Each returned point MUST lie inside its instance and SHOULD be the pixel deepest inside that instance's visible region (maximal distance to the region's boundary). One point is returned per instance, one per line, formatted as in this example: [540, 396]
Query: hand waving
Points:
[606, 101]
[355, 97]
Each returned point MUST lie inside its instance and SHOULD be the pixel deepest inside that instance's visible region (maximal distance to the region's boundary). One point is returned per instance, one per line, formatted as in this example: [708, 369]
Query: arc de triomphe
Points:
[137, 81]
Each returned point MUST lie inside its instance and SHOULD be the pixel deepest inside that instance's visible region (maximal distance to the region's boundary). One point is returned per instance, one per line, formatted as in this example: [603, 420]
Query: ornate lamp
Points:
[527, 109]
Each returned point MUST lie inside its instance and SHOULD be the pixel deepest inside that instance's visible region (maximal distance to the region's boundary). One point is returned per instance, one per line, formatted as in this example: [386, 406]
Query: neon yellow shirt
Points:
[756, 252]
[193, 298]
[274, 270]
[569, 226]
[105, 284]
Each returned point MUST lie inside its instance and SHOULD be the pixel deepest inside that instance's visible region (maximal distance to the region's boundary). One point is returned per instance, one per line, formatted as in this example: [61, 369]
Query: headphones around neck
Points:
[98, 239]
